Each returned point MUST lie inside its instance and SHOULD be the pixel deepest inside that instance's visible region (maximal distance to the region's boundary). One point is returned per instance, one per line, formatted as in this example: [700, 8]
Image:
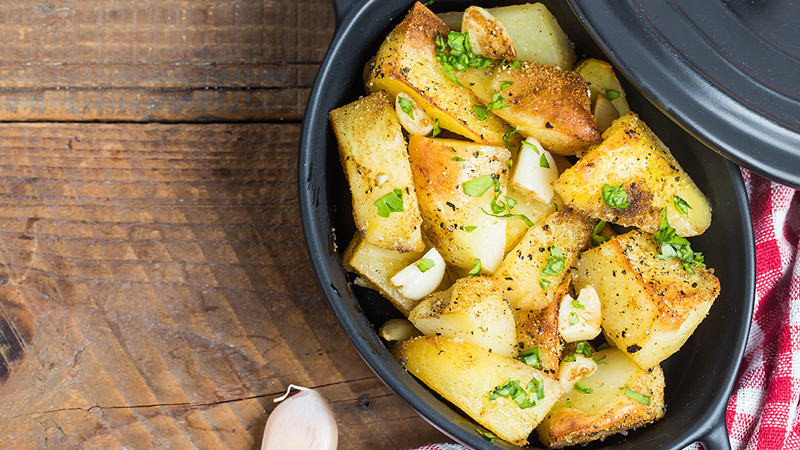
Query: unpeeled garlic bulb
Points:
[304, 421]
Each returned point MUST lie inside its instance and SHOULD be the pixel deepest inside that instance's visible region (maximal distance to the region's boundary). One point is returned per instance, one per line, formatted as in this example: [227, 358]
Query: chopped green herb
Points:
[536, 386]
[505, 85]
[436, 129]
[598, 238]
[407, 106]
[514, 64]
[480, 112]
[573, 318]
[641, 398]
[615, 197]
[527, 144]
[577, 305]
[512, 390]
[555, 263]
[507, 137]
[470, 228]
[570, 357]
[582, 388]
[544, 283]
[543, 162]
[428, 3]
[532, 357]
[476, 267]
[510, 163]
[612, 94]
[389, 203]
[425, 264]
[674, 246]
[453, 149]
[600, 361]
[681, 205]
[496, 103]
[478, 186]
[486, 435]
[455, 53]
[569, 403]
[584, 348]
[458, 159]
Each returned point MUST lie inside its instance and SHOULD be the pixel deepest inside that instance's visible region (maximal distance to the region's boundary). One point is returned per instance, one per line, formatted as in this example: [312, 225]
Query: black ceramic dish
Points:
[699, 377]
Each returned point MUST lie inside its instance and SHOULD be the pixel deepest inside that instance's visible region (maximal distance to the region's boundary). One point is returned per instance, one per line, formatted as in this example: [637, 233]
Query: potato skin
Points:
[545, 102]
[373, 153]
[519, 274]
[465, 374]
[539, 328]
[632, 156]
[406, 62]
[650, 305]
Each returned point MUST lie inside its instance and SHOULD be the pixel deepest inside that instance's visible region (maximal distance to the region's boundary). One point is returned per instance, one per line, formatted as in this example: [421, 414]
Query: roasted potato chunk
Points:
[532, 274]
[378, 265]
[373, 152]
[487, 35]
[603, 81]
[650, 305]
[473, 310]
[406, 62]
[538, 329]
[544, 102]
[603, 406]
[536, 34]
[454, 221]
[635, 159]
[466, 375]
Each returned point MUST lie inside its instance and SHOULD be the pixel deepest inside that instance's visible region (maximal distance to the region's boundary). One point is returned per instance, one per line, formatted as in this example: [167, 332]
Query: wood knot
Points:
[364, 402]
[16, 331]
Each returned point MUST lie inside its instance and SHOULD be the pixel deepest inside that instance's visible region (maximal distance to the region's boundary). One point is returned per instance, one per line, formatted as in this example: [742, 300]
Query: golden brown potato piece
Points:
[536, 34]
[538, 328]
[465, 375]
[378, 265]
[373, 152]
[406, 62]
[544, 102]
[580, 417]
[633, 157]
[532, 273]
[473, 311]
[531, 208]
[487, 35]
[650, 305]
[453, 221]
[602, 80]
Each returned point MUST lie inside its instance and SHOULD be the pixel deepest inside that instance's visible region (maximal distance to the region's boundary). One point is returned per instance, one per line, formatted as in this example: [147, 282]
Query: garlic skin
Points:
[529, 173]
[304, 421]
[416, 284]
[589, 318]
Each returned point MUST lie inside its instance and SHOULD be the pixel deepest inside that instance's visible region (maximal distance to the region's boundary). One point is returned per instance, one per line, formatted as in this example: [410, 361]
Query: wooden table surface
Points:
[155, 290]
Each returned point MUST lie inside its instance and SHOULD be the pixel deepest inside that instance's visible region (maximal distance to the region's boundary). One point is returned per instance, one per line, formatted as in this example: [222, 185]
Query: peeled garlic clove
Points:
[570, 372]
[398, 330]
[422, 277]
[411, 116]
[304, 421]
[580, 319]
[535, 170]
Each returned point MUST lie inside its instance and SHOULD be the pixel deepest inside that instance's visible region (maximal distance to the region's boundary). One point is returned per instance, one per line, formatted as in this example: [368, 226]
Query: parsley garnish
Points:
[577, 305]
[507, 137]
[455, 54]
[681, 205]
[544, 283]
[510, 163]
[531, 357]
[543, 162]
[389, 203]
[496, 103]
[476, 267]
[598, 238]
[641, 398]
[478, 186]
[486, 435]
[407, 106]
[674, 246]
[425, 264]
[530, 146]
[573, 318]
[505, 85]
[582, 388]
[569, 403]
[523, 397]
[481, 113]
[612, 94]
[470, 228]
[458, 159]
[555, 263]
[428, 3]
[436, 129]
[584, 348]
[615, 197]
[514, 64]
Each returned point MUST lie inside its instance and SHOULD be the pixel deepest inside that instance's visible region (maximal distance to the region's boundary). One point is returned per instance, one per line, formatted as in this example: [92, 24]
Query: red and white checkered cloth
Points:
[763, 410]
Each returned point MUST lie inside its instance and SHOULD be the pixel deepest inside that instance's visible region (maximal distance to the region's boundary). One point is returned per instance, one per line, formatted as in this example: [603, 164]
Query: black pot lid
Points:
[726, 71]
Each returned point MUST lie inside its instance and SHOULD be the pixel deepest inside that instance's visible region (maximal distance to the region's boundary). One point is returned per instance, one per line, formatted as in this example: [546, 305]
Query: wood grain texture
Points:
[160, 60]
[154, 292]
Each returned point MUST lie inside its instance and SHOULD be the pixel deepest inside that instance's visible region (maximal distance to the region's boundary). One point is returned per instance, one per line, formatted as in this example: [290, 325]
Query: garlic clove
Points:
[398, 330]
[580, 319]
[304, 421]
[570, 372]
[411, 116]
[414, 282]
[535, 170]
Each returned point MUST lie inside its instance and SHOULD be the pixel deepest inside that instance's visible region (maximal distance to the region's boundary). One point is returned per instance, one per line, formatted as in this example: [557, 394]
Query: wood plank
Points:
[160, 60]
[154, 292]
